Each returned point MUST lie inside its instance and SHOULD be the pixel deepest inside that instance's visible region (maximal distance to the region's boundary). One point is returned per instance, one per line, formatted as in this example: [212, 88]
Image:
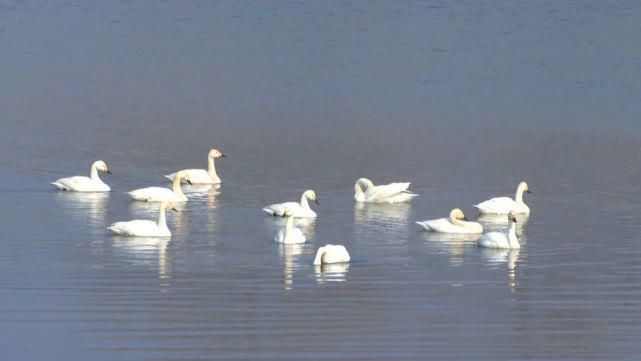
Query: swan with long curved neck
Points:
[331, 253]
[366, 191]
[159, 194]
[202, 176]
[145, 228]
[85, 184]
[456, 223]
[504, 205]
[298, 210]
[500, 240]
[289, 234]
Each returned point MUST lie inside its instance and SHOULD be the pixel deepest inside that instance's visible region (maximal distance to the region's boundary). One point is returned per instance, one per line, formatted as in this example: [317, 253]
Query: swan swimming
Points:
[504, 205]
[201, 176]
[145, 228]
[289, 234]
[331, 254]
[85, 184]
[159, 194]
[299, 210]
[499, 240]
[366, 191]
[457, 223]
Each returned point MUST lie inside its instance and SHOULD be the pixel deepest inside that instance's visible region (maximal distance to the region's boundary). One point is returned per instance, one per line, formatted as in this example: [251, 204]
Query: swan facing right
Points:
[298, 210]
[504, 205]
[457, 223]
[85, 184]
[202, 176]
[145, 228]
[366, 191]
[500, 240]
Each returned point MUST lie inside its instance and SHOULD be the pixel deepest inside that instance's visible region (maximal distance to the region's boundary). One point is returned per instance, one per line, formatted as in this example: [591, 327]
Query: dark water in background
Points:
[463, 99]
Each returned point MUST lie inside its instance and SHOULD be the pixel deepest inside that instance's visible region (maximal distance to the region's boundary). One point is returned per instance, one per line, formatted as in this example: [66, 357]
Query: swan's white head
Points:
[169, 206]
[362, 184]
[184, 176]
[101, 166]
[457, 214]
[215, 153]
[311, 195]
[523, 187]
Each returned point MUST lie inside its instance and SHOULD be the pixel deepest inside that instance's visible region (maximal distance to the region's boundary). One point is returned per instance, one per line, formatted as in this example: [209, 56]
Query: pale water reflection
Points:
[333, 272]
[85, 208]
[149, 252]
[453, 245]
[290, 258]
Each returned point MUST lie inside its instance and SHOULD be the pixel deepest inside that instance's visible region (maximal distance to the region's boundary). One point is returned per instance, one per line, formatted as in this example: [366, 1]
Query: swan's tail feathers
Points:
[477, 206]
[114, 229]
[169, 176]
[269, 211]
[59, 186]
[424, 225]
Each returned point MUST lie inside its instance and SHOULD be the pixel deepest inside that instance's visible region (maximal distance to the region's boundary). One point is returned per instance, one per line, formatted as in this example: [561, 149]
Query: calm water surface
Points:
[463, 99]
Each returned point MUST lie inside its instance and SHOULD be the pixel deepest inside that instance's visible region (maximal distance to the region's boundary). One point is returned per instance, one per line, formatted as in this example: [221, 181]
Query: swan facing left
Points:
[456, 223]
[366, 191]
[145, 228]
[159, 194]
[85, 184]
[289, 234]
[500, 240]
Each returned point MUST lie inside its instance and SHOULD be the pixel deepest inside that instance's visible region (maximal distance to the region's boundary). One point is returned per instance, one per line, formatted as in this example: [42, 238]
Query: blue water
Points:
[462, 99]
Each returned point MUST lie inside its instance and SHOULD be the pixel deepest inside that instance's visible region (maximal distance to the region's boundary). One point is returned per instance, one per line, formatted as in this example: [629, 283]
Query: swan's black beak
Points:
[316, 201]
[189, 182]
[223, 155]
[109, 172]
[175, 209]
[514, 219]
[528, 191]
[465, 218]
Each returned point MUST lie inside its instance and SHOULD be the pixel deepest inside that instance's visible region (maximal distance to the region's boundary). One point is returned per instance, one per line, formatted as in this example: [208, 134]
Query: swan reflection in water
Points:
[290, 254]
[381, 219]
[149, 251]
[332, 272]
[306, 225]
[453, 244]
[499, 257]
[207, 192]
[88, 208]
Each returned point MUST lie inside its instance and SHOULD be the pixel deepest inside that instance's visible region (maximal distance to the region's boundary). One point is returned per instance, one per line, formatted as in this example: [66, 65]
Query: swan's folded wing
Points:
[387, 191]
[135, 227]
[150, 193]
[439, 225]
[498, 204]
[74, 183]
[278, 209]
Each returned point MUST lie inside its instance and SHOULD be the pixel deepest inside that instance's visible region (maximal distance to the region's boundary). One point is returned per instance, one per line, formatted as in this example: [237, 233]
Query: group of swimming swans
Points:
[364, 192]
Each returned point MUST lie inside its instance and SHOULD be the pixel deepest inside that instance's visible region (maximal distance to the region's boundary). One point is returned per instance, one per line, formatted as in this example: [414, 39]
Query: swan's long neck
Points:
[289, 227]
[176, 186]
[94, 173]
[162, 222]
[511, 236]
[303, 201]
[518, 197]
[211, 168]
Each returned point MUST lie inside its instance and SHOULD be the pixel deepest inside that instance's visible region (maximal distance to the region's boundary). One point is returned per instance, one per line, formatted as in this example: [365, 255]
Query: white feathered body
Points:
[296, 209]
[140, 228]
[502, 205]
[156, 194]
[331, 254]
[444, 225]
[389, 193]
[81, 184]
[197, 176]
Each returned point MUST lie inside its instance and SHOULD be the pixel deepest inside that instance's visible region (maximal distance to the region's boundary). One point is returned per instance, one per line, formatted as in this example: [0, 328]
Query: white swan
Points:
[331, 254]
[145, 228]
[159, 194]
[201, 176]
[504, 205]
[289, 234]
[457, 223]
[85, 184]
[366, 191]
[499, 240]
[299, 210]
